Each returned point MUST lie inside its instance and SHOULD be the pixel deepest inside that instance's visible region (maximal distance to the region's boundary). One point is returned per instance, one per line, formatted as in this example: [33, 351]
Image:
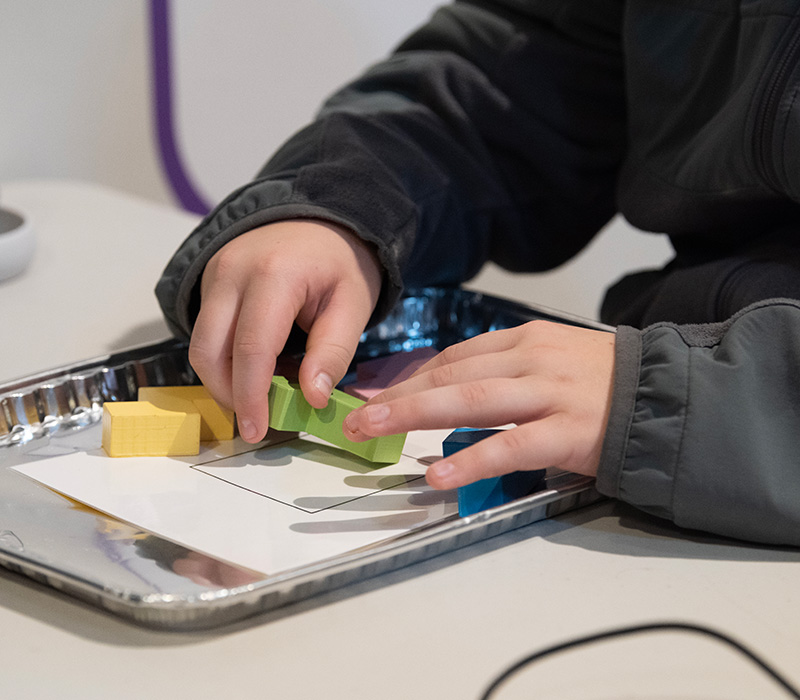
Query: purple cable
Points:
[178, 178]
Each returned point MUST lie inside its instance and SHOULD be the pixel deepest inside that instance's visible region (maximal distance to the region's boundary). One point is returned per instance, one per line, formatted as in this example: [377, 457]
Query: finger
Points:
[537, 445]
[331, 344]
[470, 369]
[460, 363]
[263, 325]
[483, 344]
[212, 338]
[481, 404]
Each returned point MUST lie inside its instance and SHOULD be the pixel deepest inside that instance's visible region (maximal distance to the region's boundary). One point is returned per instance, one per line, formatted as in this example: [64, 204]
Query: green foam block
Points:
[288, 410]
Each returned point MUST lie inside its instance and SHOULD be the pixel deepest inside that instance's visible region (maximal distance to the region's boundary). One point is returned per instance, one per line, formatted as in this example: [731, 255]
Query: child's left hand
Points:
[553, 381]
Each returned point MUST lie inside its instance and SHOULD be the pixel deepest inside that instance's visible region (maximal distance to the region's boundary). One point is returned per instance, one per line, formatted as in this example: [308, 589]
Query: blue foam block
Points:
[488, 493]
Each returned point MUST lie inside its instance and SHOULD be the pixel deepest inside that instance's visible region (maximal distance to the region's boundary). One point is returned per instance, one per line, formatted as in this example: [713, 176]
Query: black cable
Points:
[636, 629]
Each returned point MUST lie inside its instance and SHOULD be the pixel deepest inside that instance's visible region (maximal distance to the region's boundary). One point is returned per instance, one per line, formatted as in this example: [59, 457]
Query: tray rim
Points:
[216, 607]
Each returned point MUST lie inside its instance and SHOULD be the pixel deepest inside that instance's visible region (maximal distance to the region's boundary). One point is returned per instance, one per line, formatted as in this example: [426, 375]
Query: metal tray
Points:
[133, 573]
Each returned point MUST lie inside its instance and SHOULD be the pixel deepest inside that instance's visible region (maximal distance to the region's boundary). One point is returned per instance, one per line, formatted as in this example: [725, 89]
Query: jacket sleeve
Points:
[705, 423]
[493, 132]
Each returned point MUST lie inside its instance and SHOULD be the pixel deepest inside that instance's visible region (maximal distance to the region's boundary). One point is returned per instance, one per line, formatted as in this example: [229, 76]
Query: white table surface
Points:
[89, 288]
[440, 629]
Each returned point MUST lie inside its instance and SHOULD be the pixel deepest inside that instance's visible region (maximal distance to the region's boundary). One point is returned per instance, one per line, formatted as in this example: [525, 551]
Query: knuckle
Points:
[537, 325]
[441, 376]
[474, 395]
[247, 344]
[229, 263]
[451, 353]
[222, 265]
[199, 356]
[534, 333]
[338, 354]
[513, 441]
[268, 266]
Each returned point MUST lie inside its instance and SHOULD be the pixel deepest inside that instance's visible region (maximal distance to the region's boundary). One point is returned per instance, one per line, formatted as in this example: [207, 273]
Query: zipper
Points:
[765, 126]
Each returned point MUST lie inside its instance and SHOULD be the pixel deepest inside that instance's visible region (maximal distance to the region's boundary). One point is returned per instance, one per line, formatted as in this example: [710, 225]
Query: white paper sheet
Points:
[272, 508]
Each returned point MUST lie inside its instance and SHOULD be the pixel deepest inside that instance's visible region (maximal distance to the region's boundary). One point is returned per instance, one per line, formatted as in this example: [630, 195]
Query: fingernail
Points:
[377, 413]
[246, 429]
[443, 470]
[324, 384]
[349, 423]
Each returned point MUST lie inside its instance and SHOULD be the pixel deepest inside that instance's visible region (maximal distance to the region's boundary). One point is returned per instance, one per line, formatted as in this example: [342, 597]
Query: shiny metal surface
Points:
[152, 581]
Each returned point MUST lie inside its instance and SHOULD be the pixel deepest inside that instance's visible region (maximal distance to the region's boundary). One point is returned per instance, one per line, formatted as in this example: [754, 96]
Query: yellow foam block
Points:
[216, 422]
[142, 429]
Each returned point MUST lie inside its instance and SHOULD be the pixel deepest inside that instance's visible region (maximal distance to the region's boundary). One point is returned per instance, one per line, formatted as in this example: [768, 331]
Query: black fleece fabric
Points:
[512, 131]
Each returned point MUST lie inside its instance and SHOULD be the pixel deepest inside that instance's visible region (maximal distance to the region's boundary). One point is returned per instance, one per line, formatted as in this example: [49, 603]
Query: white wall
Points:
[75, 82]
[75, 103]
[74, 94]
[252, 77]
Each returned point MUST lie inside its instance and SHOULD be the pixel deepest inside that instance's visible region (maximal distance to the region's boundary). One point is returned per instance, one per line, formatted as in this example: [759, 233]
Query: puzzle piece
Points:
[488, 493]
[216, 422]
[288, 410]
[142, 429]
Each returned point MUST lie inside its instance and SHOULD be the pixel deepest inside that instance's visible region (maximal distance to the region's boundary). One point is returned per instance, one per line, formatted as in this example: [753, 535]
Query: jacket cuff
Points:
[639, 460]
[627, 360]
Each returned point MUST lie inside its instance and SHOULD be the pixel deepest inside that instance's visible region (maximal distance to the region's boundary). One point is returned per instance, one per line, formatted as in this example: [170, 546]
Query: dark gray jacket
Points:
[512, 130]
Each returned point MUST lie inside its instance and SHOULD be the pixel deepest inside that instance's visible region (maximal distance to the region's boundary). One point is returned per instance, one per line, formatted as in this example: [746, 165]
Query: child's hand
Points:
[553, 381]
[252, 291]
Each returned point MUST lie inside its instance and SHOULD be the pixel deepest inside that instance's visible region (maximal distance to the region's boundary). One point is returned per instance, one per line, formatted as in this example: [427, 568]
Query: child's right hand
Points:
[314, 272]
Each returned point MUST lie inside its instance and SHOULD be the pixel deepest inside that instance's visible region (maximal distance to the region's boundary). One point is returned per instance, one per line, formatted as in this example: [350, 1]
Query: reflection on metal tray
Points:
[155, 582]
